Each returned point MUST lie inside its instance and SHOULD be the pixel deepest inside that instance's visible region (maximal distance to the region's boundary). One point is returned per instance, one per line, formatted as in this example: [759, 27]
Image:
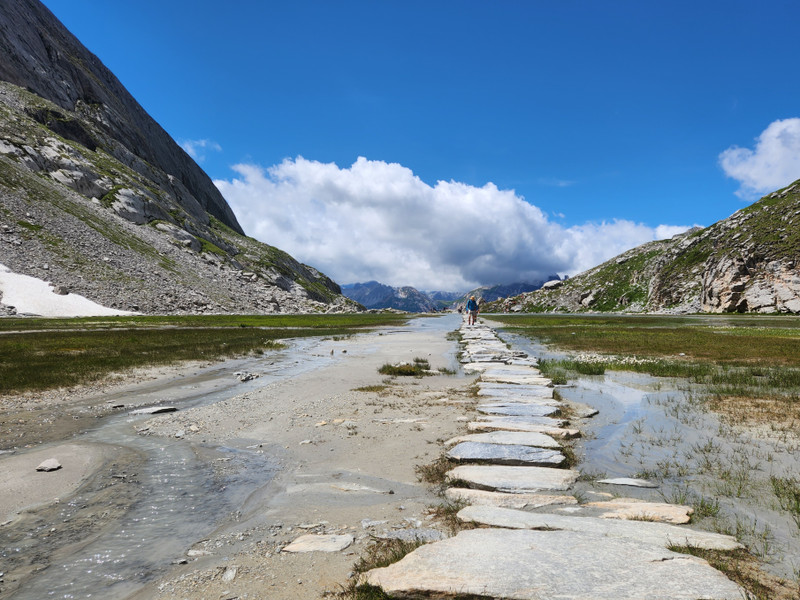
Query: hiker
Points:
[472, 310]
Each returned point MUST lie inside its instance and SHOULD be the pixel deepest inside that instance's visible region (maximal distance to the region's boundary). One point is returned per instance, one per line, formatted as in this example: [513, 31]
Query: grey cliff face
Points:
[98, 200]
[42, 56]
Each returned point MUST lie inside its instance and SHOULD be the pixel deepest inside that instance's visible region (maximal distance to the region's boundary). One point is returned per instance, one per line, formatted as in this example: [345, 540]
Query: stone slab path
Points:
[517, 438]
[540, 565]
[662, 534]
[505, 454]
[511, 467]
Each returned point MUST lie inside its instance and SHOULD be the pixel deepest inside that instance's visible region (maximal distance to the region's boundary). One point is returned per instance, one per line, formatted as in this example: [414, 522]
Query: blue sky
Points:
[561, 132]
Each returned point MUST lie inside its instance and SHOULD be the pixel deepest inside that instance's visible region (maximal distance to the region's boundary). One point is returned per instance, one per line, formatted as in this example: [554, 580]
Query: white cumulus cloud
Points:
[774, 163]
[377, 220]
[197, 148]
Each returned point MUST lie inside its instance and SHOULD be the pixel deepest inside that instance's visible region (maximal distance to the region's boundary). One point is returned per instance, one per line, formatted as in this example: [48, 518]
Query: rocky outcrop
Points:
[97, 199]
[43, 57]
[745, 263]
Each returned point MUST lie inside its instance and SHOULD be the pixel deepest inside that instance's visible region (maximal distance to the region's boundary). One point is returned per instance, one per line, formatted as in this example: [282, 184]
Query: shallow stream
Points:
[160, 496]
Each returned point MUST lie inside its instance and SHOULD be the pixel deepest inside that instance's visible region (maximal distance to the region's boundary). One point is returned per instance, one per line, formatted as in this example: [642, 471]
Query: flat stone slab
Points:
[633, 509]
[658, 534]
[153, 410]
[505, 454]
[530, 420]
[319, 543]
[51, 464]
[563, 565]
[506, 400]
[518, 409]
[514, 378]
[514, 480]
[519, 501]
[503, 389]
[520, 438]
[517, 425]
[642, 483]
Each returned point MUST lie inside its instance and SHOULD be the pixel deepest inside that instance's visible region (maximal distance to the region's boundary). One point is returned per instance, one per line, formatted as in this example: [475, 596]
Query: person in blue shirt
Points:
[472, 311]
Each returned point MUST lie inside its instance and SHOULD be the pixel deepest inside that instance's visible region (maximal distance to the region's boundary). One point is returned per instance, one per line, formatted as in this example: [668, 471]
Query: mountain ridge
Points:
[96, 198]
[747, 262]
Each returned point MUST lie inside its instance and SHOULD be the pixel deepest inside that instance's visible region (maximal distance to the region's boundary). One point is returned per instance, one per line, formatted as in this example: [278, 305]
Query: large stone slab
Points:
[319, 543]
[521, 438]
[518, 409]
[520, 501]
[539, 565]
[517, 425]
[514, 480]
[501, 390]
[505, 454]
[637, 510]
[497, 376]
[505, 400]
[660, 534]
[530, 420]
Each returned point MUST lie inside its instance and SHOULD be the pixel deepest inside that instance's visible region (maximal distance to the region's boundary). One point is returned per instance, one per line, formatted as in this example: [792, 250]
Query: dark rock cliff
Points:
[97, 199]
[42, 56]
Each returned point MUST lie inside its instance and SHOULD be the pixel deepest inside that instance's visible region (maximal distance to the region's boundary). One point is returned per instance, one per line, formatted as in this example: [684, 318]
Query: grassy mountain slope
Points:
[745, 263]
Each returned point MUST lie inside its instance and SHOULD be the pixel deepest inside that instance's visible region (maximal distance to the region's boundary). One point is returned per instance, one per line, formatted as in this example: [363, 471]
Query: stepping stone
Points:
[521, 438]
[534, 565]
[518, 501]
[658, 534]
[633, 509]
[530, 420]
[518, 409]
[514, 480]
[516, 391]
[153, 410]
[319, 543]
[514, 378]
[506, 400]
[519, 426]
[642, 483]
[505, 454]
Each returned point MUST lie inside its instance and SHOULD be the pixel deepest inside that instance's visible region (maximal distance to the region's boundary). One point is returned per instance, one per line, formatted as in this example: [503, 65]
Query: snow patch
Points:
[33, 296]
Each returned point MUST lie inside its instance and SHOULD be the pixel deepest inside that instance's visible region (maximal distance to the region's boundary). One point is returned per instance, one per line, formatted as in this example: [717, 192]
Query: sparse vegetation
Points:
[418, 368]
[37, 354]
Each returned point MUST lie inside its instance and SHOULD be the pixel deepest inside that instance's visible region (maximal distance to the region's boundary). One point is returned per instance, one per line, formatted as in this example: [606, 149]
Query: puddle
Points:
[657, 429]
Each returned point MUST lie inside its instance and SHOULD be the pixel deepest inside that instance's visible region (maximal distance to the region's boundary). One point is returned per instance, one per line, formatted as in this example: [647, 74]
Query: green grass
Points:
[749, 365]
[38, 354]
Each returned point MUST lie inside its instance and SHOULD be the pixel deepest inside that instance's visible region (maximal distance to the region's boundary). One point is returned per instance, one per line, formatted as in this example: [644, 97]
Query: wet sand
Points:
[346, 466]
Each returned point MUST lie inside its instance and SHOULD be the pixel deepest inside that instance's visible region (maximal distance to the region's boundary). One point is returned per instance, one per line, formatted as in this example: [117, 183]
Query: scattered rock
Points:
[51, 464]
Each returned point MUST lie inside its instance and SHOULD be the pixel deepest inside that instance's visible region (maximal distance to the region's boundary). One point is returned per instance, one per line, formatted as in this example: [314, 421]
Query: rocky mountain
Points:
[377, 295]
[97, 198]
[749, 262]
[501, 291]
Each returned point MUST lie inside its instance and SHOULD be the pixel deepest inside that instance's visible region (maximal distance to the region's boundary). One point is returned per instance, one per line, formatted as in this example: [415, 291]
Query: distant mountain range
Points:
[376, 295]
[749, 262]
